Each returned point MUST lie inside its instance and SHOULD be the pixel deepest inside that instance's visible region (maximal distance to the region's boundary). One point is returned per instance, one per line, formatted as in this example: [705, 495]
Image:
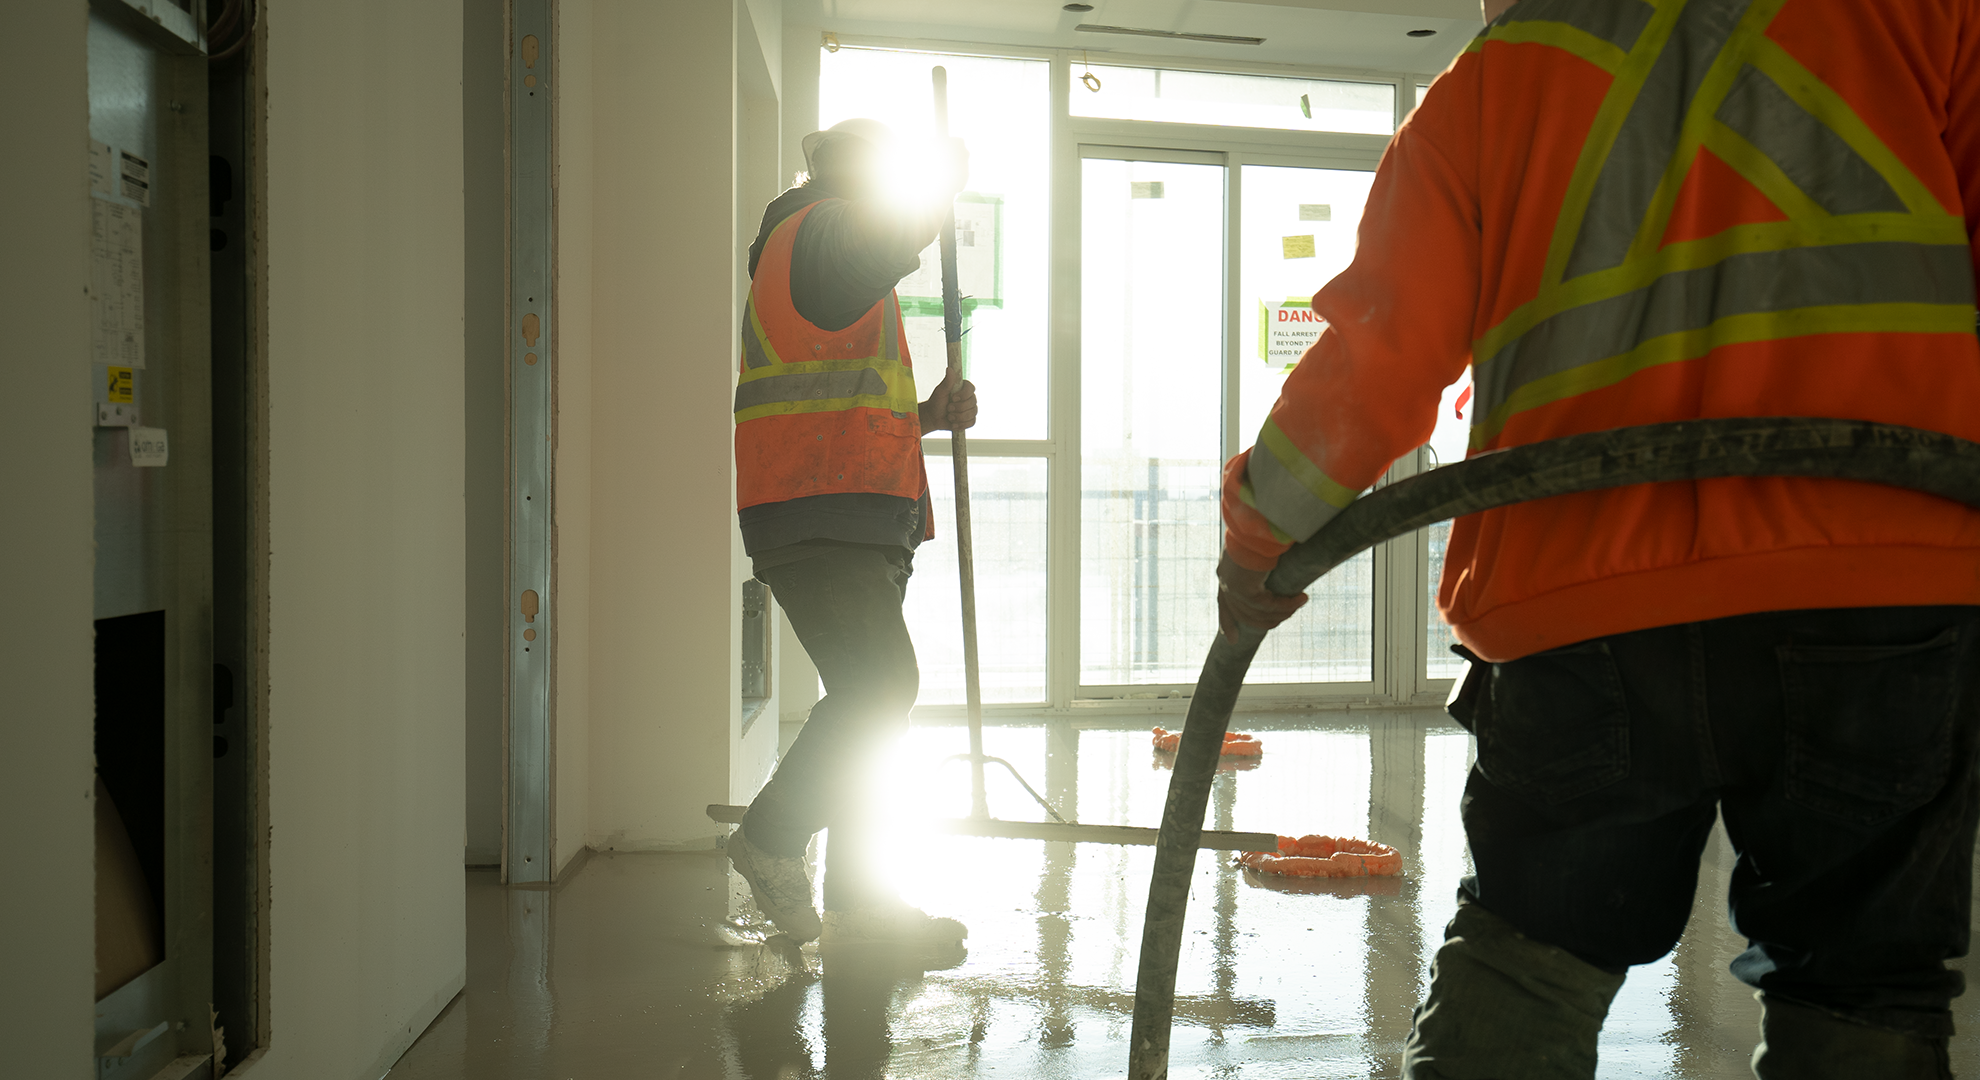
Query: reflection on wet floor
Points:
[628, 969]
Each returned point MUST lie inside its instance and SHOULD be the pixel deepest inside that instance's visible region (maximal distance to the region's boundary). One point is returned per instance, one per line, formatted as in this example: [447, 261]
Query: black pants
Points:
[845, 606]
[1840, 747]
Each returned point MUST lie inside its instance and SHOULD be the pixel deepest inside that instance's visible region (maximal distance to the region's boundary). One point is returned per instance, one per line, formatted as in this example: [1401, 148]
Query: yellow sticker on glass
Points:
[120, 386]
[1298, 247]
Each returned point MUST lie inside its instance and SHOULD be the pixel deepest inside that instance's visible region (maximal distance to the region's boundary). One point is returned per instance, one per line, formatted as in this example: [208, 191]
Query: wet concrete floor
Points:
[627, 969]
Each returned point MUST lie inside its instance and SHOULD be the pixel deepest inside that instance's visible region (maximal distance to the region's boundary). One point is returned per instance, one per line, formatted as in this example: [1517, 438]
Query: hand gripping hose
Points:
[1903, 457]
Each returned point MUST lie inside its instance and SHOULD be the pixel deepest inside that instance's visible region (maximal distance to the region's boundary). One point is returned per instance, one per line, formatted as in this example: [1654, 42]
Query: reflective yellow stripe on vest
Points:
[1602, 33]
[1294, 494]
[1866, 247]
[770, 387]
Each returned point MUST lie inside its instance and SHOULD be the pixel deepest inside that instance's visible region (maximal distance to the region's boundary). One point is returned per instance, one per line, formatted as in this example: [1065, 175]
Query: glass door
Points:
[1447, 446]
[1135, 288]
[1151, 383]
[1296, 231]
[1196, 274]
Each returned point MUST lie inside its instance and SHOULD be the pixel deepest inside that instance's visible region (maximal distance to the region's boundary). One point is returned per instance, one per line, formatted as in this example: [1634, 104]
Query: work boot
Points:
[890, 923]
[780, 886]
[1803, 1042]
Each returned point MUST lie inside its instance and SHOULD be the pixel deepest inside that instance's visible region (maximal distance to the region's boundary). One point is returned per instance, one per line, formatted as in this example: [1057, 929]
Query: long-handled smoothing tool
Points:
[959, 454]
[966, 572]
[980, 823]
[1904, 457]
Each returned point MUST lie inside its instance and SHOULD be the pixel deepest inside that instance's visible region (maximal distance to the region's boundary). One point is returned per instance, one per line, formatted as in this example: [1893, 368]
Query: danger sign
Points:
[1286, 329]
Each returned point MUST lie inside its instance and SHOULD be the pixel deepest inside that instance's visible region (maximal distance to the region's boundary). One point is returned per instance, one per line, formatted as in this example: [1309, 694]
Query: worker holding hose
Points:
[833, 499]
[1626, 213]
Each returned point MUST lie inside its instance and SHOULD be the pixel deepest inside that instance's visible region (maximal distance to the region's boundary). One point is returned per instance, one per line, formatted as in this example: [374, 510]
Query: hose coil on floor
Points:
[1927, 461]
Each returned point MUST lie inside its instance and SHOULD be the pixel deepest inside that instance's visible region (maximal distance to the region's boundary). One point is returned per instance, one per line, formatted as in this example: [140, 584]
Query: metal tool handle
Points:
[959, 455]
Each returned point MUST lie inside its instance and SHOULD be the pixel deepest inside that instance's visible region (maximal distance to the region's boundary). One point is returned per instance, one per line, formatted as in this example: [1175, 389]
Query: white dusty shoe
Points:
[780, 886]
[890, 924]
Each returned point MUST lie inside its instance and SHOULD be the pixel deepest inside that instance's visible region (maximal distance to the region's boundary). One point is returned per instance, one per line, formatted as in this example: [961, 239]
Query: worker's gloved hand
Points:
[949, 410]
[1243, 599]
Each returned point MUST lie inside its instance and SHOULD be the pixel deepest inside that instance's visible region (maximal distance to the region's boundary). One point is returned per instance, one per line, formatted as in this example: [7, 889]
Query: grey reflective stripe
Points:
[1819, 162]
[1618, 22]
[752, 346]
[1285, 502]
[890, 319]
[1649, 136]
[1764, 281]
[810, 386]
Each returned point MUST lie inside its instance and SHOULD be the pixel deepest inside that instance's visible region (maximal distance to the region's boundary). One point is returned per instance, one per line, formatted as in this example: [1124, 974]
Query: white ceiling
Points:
[1370, 35]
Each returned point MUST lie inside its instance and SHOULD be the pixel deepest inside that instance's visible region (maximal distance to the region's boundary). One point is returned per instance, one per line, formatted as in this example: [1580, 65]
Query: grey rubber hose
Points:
[1903, 457]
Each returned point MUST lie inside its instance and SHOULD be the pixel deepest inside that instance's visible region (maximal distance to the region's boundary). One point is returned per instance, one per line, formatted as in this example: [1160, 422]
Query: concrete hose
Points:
[1926, 461]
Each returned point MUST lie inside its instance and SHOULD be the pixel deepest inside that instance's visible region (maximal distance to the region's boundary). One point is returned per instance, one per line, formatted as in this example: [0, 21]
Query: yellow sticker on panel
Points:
[1298, 247]
[121, 386]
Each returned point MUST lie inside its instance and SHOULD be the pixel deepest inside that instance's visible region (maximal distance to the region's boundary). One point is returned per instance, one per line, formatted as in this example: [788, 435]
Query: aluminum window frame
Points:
[1402, 571]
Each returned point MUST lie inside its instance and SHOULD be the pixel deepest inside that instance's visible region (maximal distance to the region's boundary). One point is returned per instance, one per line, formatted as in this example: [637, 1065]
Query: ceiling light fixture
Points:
[1171, 35]
[1421, 33]
[1081, 8]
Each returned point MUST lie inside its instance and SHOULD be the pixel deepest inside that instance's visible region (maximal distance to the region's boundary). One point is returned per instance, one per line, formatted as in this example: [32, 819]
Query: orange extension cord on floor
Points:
[1325, 856]
[1235, 745]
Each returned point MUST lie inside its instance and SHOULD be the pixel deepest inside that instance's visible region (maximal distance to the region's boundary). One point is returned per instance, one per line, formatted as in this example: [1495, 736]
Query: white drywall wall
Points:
[366, 665]
[765, 22]
[47, 928]
[572, 81]
[484, 393]
[759, 70]
[665, 567]
[800, 95]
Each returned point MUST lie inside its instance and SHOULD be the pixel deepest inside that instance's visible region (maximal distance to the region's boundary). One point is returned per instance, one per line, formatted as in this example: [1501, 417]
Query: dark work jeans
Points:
[1840, 746]
[845, 606]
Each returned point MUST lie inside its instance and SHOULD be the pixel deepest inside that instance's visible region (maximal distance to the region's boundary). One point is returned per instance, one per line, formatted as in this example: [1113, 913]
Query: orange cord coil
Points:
[1326, 856]
[1235, 745]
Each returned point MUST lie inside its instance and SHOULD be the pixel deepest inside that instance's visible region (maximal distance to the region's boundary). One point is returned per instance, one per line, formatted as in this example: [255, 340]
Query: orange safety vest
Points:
[821, 412]
[1629, 212]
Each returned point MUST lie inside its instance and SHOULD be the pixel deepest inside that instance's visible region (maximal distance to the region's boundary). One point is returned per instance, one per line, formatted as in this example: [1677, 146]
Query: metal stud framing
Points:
[526, 832]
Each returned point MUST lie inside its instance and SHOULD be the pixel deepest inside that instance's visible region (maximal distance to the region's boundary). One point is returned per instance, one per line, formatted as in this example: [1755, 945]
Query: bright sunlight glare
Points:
[913, 172]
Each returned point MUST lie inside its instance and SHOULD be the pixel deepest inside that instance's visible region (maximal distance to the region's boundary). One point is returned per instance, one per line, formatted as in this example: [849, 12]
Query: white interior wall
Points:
[800, 95]
[47, 927]
[364, 289]
[664, 618]
[572, 462]
[764, 23]
[484, 183]
[759, 68]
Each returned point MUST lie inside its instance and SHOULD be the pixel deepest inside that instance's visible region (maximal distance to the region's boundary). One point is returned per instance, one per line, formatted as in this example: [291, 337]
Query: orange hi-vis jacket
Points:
[1628, 212]
[821, 412]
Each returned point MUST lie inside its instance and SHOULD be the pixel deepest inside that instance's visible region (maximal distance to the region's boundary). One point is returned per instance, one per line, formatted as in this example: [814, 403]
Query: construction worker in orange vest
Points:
[832, 498]
[1627, 212]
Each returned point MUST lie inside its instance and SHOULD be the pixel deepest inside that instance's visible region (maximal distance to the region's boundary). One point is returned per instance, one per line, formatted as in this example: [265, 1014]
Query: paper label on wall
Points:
[116, 285]
[102, 169]
[1316, 211]
[136, 176]
[1286, 329]
[148, 447]
[1298, 247]
[122, 386]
